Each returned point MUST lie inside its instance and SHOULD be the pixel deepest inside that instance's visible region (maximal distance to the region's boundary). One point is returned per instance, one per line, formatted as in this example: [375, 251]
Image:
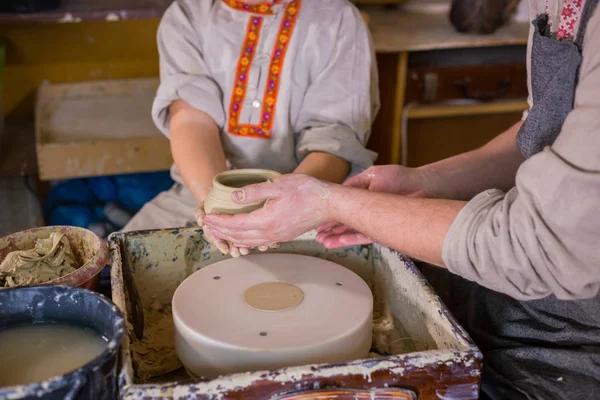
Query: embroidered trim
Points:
[263, 129]
[261, 8]
[570, 15]
[241, 75]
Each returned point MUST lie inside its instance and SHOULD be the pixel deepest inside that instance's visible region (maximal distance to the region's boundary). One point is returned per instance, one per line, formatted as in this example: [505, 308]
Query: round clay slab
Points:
[273, 296]
[313, 301]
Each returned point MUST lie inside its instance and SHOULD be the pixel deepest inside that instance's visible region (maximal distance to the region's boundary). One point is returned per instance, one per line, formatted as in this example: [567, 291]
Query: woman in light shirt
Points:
[286, 85]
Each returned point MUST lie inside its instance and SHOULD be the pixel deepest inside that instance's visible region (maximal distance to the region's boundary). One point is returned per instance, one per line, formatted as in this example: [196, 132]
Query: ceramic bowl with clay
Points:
[267, 311]
[219, 200]
[90, 251]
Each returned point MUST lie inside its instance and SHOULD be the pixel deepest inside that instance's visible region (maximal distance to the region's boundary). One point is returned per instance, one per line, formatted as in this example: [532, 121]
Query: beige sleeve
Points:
[183, 72]
[543, 236]
[342, 102]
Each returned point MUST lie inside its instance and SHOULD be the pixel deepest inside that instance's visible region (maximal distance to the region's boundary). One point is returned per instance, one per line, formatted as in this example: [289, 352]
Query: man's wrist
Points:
[334, 202]
[428, 179]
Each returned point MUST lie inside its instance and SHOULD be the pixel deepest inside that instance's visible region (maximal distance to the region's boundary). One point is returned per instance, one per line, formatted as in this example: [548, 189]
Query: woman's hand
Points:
[395, 179]
[295, 204]
[223, 246]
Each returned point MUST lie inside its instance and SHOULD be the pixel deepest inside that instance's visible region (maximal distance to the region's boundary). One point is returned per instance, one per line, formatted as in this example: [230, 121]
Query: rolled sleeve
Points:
[342, 102]
[338, 140]
[542, 237]
[183, 72]
[539, 239]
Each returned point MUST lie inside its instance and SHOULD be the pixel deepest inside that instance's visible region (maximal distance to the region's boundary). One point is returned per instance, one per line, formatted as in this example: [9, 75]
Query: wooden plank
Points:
[381, 132]
[393, 29]
[93, 10]
[433, 139]
[98, 128]
[397, 30]
[455, 110]
[97, 158]
[396, 144]
[73, 11]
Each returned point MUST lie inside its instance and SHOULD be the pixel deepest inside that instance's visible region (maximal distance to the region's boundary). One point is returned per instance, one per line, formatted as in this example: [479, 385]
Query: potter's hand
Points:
[223, 246]
[395, 179]
[295, 204]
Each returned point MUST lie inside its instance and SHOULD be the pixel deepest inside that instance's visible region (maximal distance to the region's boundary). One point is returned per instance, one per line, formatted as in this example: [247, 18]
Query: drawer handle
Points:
[469, 93]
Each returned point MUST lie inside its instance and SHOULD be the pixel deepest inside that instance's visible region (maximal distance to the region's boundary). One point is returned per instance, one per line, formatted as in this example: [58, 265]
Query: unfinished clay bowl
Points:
[90, 251]
[219, 200]
[268, 311]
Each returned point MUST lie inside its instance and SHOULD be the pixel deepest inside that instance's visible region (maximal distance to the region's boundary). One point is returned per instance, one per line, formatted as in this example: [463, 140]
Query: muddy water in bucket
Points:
[68, 341]
[36, 352]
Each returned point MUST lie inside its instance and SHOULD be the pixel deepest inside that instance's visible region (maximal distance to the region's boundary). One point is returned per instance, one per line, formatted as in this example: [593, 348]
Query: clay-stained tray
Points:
[418, 347]
[98, 128]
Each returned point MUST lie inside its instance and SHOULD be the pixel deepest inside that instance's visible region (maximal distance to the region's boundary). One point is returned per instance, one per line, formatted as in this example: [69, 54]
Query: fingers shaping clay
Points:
[219, 201]
[269, 311]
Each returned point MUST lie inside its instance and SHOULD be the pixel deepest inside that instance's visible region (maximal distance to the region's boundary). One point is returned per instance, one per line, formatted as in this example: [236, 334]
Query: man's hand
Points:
[295, 204]
[394, 179]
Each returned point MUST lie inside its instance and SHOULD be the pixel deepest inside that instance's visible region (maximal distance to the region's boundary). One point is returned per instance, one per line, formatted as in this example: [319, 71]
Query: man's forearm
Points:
[493, 166]
[324, 166]
[414, 226]
[196, 148]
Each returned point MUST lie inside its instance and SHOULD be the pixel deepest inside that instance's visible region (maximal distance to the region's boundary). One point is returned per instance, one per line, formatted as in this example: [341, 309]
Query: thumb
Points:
[360, 181]
[199, 214]
[255, 193]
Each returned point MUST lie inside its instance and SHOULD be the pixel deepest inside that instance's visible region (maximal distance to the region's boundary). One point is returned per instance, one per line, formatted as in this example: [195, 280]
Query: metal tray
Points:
[419, 350]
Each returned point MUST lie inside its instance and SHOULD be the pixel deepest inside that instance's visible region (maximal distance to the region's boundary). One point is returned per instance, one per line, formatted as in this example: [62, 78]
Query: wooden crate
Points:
[98, 128]
[419, 350]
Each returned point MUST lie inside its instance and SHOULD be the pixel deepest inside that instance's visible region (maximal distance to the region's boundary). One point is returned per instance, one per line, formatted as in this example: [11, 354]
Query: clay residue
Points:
[51, 258]
[155, 354]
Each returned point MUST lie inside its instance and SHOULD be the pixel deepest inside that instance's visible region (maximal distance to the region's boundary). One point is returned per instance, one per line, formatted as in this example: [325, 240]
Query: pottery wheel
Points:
[271, 310]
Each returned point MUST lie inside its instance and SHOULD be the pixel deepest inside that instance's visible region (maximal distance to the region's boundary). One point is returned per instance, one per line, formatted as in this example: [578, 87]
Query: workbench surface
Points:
[400, 31]
[393, 29]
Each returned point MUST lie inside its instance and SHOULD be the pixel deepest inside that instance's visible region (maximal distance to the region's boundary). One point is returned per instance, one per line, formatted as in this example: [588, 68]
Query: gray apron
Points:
[538, 349]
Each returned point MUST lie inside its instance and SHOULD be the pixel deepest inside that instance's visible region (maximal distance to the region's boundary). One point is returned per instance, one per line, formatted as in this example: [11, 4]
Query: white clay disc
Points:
[269, 311]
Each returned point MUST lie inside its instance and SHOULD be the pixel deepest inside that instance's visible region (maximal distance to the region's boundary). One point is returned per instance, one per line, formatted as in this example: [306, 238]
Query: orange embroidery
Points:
[262, 8]
[263, 129]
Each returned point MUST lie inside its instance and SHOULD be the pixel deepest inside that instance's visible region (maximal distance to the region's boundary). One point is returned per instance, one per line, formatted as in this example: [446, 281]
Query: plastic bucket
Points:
[80, 307]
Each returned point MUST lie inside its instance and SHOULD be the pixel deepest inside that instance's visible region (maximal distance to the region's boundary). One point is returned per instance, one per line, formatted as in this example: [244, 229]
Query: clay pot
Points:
[90, 251]
[219, 200]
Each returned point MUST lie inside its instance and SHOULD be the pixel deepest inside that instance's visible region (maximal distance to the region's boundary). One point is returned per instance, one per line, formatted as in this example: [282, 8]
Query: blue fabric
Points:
[74, 191]
[81, 202]
[73, 215]
[103, 188]
[137, 189]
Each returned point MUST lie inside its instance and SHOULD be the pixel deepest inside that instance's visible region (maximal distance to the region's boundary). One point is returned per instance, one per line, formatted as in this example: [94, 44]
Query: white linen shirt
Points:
[280, 79]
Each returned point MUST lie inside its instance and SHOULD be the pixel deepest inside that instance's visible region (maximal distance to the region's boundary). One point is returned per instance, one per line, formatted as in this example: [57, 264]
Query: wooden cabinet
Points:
[433, 139]
[447, 101]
